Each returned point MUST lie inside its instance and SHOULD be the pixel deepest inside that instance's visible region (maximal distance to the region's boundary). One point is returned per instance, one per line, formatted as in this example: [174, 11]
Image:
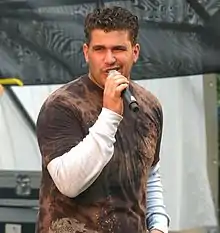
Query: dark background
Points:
[41, 40]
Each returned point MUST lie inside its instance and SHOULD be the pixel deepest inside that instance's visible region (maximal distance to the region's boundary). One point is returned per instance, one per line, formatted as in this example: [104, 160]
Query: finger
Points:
[121, 80]
[120, 88]
[117, 80]
[115, 76]
[115, 88]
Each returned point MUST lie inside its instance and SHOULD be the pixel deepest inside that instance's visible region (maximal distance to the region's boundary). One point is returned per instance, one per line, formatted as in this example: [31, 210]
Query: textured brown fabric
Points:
[116, 201]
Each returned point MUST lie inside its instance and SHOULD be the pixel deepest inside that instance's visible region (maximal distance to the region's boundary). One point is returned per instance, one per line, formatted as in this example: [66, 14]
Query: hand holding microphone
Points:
[116, 88]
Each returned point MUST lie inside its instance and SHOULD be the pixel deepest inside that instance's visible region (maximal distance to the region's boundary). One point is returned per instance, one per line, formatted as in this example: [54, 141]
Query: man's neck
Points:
[93, 80]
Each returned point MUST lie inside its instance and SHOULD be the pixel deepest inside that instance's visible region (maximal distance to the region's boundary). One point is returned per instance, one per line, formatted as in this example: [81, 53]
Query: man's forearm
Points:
[157, 217]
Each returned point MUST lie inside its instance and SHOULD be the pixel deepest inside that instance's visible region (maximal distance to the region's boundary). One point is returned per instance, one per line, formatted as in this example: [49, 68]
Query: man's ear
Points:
[85, 51]
[136, 52]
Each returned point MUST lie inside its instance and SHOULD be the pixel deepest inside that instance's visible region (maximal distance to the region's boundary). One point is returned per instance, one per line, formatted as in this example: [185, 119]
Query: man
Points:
[100, 160]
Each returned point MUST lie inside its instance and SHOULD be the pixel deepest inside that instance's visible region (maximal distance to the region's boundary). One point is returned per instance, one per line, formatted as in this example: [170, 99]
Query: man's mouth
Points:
[114, 68]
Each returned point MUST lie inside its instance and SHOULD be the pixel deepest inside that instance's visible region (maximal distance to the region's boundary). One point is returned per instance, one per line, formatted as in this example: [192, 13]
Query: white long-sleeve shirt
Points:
[86, 168]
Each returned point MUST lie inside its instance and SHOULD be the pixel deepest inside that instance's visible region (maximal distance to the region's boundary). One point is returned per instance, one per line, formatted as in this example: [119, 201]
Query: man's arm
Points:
[157, 218]
[76, 169]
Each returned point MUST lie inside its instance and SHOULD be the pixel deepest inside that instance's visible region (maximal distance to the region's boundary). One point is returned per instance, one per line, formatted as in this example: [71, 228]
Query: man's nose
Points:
[109, 57]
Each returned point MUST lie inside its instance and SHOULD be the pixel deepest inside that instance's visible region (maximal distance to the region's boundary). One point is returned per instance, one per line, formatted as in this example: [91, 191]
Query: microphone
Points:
[130, 99]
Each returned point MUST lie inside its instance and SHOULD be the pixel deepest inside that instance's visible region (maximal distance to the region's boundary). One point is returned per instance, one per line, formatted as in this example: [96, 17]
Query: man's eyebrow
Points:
[98, 46]
[123, 47]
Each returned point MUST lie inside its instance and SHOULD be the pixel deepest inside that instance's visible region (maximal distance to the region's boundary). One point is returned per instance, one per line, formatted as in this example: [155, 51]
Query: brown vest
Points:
[116, 201]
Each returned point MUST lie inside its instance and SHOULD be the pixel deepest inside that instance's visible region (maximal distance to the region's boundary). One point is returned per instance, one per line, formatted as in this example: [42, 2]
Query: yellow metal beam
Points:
[11, 81]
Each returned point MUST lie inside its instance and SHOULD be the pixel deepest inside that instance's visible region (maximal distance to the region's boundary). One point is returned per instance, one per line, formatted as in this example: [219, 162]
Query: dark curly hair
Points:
[111, 19]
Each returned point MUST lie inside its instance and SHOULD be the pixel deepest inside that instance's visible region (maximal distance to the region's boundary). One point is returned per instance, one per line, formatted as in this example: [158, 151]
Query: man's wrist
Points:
[155, 231]
[159, 229]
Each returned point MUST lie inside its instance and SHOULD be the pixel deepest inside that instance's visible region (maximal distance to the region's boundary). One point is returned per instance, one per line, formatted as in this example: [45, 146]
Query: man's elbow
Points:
[63, 183]
[67, 190]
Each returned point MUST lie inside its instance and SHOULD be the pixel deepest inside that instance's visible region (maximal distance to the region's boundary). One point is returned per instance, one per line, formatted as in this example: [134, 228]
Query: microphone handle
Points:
[132, 102]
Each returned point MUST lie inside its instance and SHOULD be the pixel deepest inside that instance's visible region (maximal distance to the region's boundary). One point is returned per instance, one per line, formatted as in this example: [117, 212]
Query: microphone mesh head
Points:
[113, 72]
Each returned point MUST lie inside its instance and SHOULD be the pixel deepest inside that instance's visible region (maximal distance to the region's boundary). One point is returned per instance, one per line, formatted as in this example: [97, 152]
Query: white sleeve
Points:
[75, 171]
[157, 217]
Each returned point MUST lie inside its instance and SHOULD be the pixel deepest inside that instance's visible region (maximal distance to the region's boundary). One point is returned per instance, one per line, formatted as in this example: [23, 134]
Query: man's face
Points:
[110, 50]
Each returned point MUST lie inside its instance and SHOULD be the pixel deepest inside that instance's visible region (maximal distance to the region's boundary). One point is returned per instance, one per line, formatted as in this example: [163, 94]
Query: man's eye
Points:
[119, 49]
[98, 49]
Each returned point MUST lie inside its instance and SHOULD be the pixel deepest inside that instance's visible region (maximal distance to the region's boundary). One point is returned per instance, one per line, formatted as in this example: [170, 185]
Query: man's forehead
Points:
[116, 37]
[112, 33]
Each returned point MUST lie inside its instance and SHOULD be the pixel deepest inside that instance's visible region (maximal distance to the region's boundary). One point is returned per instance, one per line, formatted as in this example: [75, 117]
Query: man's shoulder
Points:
[67, 94]
[146, 96]
[64, 99]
